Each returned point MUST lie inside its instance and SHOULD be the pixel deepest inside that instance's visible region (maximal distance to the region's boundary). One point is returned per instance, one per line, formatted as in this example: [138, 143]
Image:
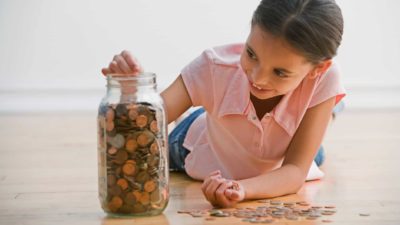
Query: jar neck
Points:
[126, 85]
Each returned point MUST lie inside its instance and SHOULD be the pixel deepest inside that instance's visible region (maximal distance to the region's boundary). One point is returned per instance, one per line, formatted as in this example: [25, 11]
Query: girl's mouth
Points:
[258, 88]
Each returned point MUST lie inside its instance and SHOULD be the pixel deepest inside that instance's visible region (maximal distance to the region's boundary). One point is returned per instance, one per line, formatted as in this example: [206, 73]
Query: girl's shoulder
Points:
[225, 55]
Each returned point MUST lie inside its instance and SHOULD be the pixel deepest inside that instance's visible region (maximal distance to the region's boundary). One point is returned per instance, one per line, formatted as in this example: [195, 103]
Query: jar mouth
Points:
[130, 76]
[126, 81]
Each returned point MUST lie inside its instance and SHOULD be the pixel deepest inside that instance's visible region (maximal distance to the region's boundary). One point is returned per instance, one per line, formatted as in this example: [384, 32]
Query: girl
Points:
[265, 104]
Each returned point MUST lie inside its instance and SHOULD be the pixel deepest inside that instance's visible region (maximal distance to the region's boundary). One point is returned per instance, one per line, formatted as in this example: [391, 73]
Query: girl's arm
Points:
[176, 99]
[301, 152]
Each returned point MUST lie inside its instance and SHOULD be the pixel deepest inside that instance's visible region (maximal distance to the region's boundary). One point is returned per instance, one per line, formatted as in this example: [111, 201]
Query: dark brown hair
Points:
[313, 27]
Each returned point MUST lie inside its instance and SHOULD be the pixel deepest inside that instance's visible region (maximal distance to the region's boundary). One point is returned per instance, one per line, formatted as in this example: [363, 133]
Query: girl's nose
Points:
[259, 77]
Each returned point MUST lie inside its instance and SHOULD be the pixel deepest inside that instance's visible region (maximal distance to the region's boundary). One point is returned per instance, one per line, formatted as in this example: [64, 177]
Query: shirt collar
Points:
[236, 101]
[237, 97]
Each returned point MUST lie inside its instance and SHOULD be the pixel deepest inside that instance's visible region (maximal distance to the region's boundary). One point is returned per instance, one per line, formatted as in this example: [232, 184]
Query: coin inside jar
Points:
[155, 197]
[110, 114]
[131, 145]
[111, 180]
[129, 169]
[122, 183]
[115, 203]
[130, 199]
[121, 110]
[112, 151]
[145, 198]
[121, 157]
[117, 141]
[141, 121]
[154, 126]
[150, 186]
[145, 138]
[154, 148]
[133, 114]
[109, 125]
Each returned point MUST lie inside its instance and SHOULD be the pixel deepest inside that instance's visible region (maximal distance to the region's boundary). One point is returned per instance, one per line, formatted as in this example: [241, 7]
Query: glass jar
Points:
[132, 147]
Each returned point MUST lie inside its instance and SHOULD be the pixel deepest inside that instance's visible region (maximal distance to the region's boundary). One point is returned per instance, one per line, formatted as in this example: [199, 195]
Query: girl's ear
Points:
[320, 69]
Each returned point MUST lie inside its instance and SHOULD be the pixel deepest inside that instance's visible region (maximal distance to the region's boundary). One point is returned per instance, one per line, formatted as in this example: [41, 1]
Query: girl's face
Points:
[272, 66]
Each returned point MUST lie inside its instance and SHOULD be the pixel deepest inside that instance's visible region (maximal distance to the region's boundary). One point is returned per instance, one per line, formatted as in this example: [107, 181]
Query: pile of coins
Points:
[271, 211]
[133, 169]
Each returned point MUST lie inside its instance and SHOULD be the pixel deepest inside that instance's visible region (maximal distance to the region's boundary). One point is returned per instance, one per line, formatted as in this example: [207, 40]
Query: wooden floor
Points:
[48, 173]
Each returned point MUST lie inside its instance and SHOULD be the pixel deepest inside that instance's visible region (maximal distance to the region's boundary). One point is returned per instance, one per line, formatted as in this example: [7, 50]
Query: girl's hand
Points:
[124, 63]
[221, 192]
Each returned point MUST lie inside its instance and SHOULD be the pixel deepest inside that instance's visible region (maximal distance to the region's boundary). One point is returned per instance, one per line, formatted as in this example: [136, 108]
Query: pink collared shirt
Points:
[229, 137]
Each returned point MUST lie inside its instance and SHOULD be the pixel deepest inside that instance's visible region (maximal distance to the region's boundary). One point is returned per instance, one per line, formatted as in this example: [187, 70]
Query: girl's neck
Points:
[263, 106]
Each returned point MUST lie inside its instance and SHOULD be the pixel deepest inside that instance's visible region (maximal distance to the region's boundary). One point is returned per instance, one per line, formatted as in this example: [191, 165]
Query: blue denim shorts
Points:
[178, 153]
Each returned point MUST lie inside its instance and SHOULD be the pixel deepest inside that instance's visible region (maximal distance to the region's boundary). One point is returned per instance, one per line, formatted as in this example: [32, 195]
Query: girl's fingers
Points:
[232, 195]
[235, 193]
[220, 197]
[211, 183]
[114, 67]
[122, 64]
[131, 61]
[206, 182]
[105, 71]
[212, 187]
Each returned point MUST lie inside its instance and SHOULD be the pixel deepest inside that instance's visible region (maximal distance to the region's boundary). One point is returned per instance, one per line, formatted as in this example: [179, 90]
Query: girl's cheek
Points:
[243, 63]
[246, 67]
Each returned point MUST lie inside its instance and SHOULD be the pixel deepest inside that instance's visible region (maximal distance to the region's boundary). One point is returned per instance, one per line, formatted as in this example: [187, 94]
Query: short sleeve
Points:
[197, 77]
[327, 86]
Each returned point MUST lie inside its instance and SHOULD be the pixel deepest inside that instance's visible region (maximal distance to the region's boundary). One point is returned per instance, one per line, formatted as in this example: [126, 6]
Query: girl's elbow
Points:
[298, 179]
[295, 186]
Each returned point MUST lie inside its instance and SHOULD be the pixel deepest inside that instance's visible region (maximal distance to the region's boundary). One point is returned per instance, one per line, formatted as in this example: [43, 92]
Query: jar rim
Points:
[130, 77]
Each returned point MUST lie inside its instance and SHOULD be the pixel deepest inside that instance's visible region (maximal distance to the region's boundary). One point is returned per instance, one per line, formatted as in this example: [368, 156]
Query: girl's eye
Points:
[251, 54]
[279, 73]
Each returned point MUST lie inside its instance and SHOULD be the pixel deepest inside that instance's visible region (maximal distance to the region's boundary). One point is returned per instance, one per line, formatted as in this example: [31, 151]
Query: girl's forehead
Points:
[267, 45]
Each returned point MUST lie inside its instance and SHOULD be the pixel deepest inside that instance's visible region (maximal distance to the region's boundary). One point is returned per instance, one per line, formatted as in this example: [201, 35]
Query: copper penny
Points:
[145, 198]
[137, 194]
[155, 197]
[122, 183]
[129, 169]
[111, 180]
[150, 186]
[154, 148]
[141, 121]
[145, 138]
[116, 202]
[133, 114]
[154, 126]
[131, 145]
[110, 115]
[115, 190]
[121, 157]
[110, 125]
[130, 199]
[112, 151]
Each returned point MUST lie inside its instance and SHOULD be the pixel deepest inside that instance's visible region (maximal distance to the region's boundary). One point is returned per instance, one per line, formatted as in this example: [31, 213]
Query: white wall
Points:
[51, 52]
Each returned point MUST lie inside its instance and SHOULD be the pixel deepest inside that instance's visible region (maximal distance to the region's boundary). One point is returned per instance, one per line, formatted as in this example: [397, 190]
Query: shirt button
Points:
[253, 117]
